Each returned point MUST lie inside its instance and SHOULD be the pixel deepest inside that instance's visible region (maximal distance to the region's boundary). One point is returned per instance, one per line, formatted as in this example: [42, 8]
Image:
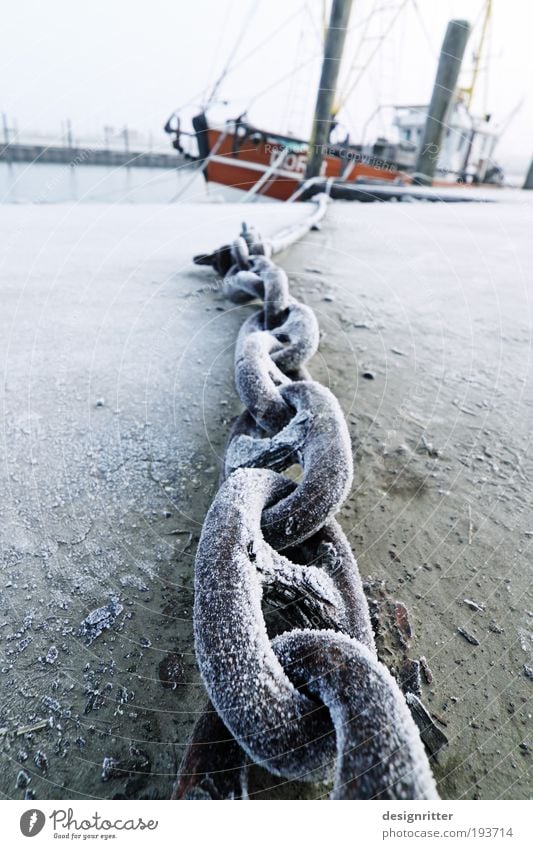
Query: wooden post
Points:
[529, 177]
[451, 57]
[333, 48]
[69, 134]
[6, 129]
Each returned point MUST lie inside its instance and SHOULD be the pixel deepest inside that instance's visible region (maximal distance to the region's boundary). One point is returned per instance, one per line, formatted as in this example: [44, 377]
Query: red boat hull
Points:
[241, 162]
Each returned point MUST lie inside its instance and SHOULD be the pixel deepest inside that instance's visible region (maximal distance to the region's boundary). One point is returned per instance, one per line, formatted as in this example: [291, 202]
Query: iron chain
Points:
[282, 628]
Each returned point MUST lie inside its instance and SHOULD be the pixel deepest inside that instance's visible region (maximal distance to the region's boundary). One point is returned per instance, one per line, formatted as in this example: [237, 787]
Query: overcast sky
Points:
[112, 62]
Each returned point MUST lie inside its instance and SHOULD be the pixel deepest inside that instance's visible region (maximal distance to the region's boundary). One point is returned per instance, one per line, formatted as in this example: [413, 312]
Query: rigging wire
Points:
[281, 79]
[490, 30]
[316, 30]
[342, 96]
[253, 9]
[220, 40]
[424, 28]
[266, 40]
[487, 17]
[397, 66]
[294, 84]
[362, 70]
[246, 56]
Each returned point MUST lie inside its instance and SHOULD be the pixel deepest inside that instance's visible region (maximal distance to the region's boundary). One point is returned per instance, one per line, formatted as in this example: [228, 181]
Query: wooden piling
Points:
[528, 184]
[451, 57]
[333, 49]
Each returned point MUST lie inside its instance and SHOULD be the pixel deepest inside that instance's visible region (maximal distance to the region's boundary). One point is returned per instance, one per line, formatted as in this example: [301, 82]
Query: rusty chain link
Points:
[282, 628]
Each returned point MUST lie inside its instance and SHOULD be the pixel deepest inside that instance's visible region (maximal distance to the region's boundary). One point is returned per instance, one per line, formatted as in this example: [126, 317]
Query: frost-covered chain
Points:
[282, 628]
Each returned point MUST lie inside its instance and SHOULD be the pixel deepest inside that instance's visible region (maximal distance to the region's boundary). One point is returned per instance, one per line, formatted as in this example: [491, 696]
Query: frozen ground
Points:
[117, 398]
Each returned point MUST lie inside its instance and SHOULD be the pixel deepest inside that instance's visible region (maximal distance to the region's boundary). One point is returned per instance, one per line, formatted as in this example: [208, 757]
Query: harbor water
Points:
[36, 182]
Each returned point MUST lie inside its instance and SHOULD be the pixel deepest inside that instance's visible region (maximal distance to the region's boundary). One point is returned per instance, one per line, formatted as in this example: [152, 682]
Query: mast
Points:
[469, 92]
[333, 49]
[451, 57]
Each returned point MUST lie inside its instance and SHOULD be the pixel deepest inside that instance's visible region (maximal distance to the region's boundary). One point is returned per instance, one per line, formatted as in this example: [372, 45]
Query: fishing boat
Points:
[239, 155]
[266, 164]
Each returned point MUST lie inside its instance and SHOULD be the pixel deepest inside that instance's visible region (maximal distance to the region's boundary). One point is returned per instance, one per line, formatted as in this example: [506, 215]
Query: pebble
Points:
[410, 677]
[473, 605]
[110, 769]
[432, 736]
[428, 675]
[99, 619]
[52, 655]
[172, 671]
[439, 718]
[401, 620]
[23, 779]
[41, 761]
[468, 636]
[134, 582]
[51, 704]
[137, 762]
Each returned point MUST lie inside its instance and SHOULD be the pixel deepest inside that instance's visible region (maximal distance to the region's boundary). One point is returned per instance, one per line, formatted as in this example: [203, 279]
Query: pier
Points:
[66, 155]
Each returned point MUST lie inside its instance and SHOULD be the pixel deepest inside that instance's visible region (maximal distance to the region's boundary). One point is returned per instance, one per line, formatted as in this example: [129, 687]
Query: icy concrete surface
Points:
[117, 400]
[426, 320]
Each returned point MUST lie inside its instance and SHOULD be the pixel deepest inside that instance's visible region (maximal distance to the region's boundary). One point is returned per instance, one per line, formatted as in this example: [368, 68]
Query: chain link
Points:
[282, 628]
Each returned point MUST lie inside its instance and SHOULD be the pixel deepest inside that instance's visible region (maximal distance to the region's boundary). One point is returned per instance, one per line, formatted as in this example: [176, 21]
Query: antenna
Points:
[469, 90]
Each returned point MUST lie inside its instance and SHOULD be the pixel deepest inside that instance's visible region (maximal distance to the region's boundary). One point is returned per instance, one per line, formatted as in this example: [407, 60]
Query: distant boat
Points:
[249, 159]
[241, 156]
